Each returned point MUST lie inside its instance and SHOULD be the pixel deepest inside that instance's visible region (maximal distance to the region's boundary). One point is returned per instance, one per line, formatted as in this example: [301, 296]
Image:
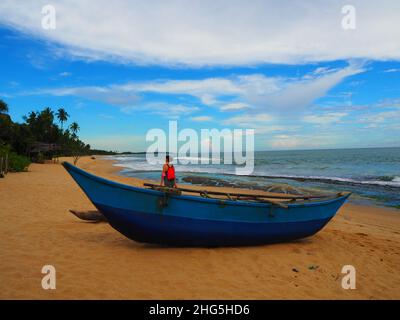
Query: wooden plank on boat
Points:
[276, 203]
[233, 194]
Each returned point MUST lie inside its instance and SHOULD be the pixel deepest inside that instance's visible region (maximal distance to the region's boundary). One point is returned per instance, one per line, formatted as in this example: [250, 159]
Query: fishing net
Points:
[286, 189]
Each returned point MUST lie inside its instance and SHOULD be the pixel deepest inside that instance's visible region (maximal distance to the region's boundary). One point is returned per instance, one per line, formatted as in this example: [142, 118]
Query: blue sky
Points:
[121, 76]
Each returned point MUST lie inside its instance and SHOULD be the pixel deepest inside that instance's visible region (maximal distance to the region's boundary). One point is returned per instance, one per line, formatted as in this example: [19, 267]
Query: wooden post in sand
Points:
[6, 164]
[1, 167]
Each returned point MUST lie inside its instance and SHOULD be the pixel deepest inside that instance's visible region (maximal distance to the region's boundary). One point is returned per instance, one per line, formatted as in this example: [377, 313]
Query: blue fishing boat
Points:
[174, 217]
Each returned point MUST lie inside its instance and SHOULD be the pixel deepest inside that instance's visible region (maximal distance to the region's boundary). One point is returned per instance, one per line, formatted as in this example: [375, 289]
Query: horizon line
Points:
[275, 150]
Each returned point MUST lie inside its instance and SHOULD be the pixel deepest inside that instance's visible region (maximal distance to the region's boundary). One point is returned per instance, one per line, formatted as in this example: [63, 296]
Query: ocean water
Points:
[372, 174]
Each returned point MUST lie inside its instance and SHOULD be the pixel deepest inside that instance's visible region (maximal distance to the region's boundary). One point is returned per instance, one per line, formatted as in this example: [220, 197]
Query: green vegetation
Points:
[17, 162]
[39, 138]
[11, 161]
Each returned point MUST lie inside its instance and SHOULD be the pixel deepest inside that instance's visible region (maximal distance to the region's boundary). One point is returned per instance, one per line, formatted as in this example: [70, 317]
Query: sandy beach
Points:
[93, 261]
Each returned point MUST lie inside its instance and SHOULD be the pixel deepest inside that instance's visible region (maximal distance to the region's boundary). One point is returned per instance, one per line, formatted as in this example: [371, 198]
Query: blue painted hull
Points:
[194, 221]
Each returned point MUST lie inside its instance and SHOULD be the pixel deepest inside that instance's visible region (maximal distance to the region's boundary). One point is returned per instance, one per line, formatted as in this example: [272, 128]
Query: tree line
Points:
[41, 136]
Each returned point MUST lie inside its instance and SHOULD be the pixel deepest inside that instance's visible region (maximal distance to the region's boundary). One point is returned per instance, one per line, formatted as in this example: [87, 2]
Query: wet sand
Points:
[93, 261]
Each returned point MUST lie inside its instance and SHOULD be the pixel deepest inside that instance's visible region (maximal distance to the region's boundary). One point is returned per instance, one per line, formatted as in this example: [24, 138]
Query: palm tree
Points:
[74, 127]
[31, 118]
[47, 115]
[3, 107]
[62, 116]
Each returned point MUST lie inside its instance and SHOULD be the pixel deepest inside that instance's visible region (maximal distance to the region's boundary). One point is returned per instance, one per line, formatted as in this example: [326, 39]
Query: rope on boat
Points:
[204, 194]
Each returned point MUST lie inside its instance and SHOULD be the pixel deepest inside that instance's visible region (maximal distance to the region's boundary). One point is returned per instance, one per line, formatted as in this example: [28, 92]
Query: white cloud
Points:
[106, 116]
[212, 32]
[326, 118]
[166, 110]
[206, 90]
[322, 70]
[201, 88]
[391, 70]
[303, 141]
[208, 99]
[121, 96]
[256, 91]
[296, 95]
[377, 118]
[112, 94]
[65, 74]
[389, 103]
[5, 95]
[234, 106]
[201, 118]
[285, 142]
[248, 121]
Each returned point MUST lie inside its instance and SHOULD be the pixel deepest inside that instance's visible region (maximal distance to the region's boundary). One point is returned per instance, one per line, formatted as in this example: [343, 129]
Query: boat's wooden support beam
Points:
[233, 194]
[276, 203]
[206, 194]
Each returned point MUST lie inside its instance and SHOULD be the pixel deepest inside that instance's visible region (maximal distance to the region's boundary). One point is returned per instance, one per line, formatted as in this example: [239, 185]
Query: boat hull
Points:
[150, 216]
[182, 231]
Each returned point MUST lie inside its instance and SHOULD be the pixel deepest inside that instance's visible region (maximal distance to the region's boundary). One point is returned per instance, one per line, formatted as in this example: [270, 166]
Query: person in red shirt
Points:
[168, 178]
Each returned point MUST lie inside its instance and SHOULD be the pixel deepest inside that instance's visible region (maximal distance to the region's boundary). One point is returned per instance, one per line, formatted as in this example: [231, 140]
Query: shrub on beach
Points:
[18, 163]
[15, 162]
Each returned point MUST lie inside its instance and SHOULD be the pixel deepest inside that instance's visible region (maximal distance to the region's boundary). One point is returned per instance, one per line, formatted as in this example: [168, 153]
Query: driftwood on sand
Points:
[90, 215]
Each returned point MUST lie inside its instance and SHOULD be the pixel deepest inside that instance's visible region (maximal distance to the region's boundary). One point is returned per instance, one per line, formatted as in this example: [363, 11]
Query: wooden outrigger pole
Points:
[234, 196]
